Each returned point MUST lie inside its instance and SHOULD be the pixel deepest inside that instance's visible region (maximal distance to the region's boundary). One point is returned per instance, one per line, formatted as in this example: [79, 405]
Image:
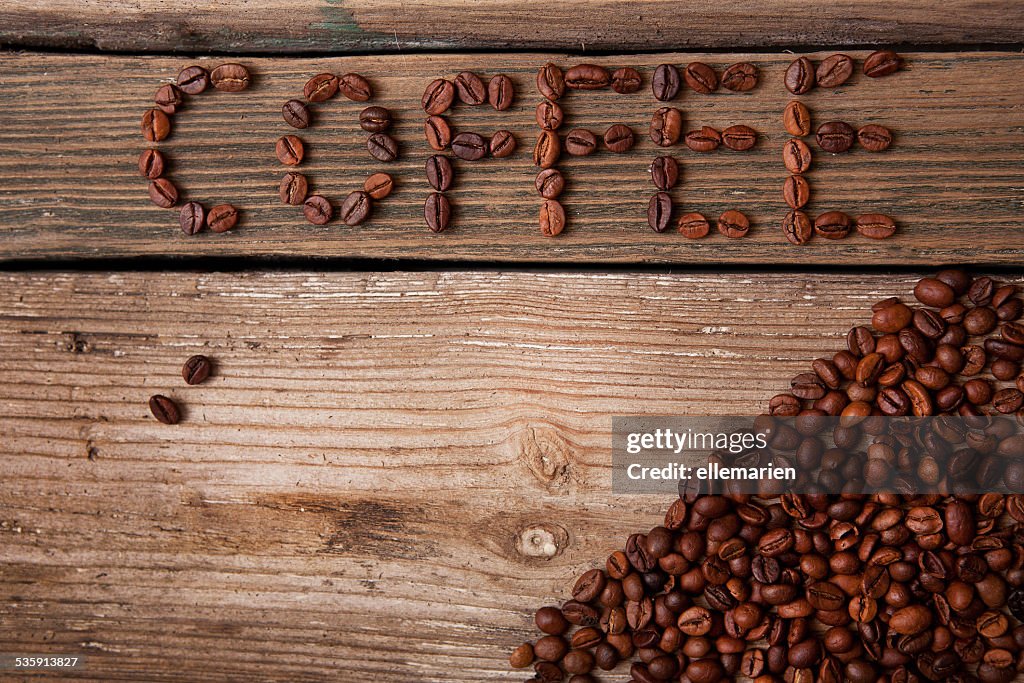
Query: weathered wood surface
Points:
[280, 26]
[387, 472]
[69, 140]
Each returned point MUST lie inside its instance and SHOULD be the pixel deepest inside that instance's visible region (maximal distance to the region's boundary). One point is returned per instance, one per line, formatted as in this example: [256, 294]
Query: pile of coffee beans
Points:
[469, 89]
[290, 149]
[196, 370]
[193, 217]
[895, 586]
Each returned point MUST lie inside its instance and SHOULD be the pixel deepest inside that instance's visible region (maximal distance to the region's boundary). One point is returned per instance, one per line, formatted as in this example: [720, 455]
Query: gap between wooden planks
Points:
[386, 475]
[70, 139]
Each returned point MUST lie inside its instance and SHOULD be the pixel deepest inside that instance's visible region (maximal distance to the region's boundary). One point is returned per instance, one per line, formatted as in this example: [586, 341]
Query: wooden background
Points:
[404, 449]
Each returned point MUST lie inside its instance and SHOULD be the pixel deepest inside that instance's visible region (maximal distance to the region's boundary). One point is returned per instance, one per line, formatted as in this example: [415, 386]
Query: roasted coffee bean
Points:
[701, 77]
[618, 138]
[155, 125]
[378, 185]
[222, 218]
[876, 226]
[193, 80]
[469, 146]
[437, 212]
[317, 209]
[501, 92]
[438, 133]
[665, 83]
[383, 147]
[168, 98]
[163, 193]
[796, 191]
[296, 114]
[882, 63]
[375, 119]
[626, 80]
[587, 77]
[549, 115]
[164, 410]
[796, 156]
[151, 164]
[874, 138]
[666, 126]
[438, 97]
[552, 218]
[550, 81]
[664, 173]
[196, 370]
[832, 225]
[358, 89]
[321, 87]
[833, 71]
[521, 657]
[1008, 401]
[230, 77]
[739, 138]
[693, 226]
[796, 119]
[659, 212]
[290, 150]
[470, 89]
[740, 77]
[733, 224]
[835, 136]
[440, 172]
[547, 150]
[355, 208]
[800, 76]
[706, 139]
[192, 218]
[580, 142]
[797, 228]
[502, 144]
[589, 586]
[550, 183]
[933, 292]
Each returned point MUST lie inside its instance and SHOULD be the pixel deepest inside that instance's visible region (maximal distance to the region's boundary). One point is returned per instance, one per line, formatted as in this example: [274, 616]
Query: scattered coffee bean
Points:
[800, 76]
[835, 136]
[163, 193]
[550, 81]
[874, 138]
[222, 218]
[618, 138]
[587, 77]
[502, 144]
[797, 228]
[193, 80]
[552, 218]
[438, 133]
[876, 226]
[740, 77]
[293, 188]
[168, 98]
[832, 225]
[375, 119]
[356, 88]
[382, 147]
[378, 185]
[164, 410]
[547, 150]
[469, 146]
[664, 173]
[580, 142]
[550, 183]
[151, 164]
[626, 80]
[470, 89]
[733, 224]
[155, 125]
[659, 212]
[693, 226]
[882, 63]
[796, 119]
[321, 87]
[739, 138]
[833, 71]
[196, 370]
[356, 207]
[701, 77]
[437, 212]
[796, 156]
[665, 83]
[438, 97]
[317, 209]
[707, 139]
[230, 77]
[192, 218]
[290, 150]
[296, 114]
[796, 191]
[501, 92]
[549, 115]
[440, 172]
[666, 126]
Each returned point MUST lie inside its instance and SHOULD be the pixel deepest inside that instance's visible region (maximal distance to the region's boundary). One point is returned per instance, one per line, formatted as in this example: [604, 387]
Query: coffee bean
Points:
[500, 92]
[155, 125]
[701, 77]
[796, 191]
[833, 71]
[296, 114]
[375, 119]
[317, 209]
[193, 80]
[502, 144]
[382, 147]
[739, 138]
[796, 226]
[618, 138]
[437, 212]
[832, 225]
[665, 83]
[626, 80]
[552, 218]
[469, 146]
[934, 292]
[470, 89]
[666, 126]
[733, 224]
[835, 136]
[877, 226]
[547, 150]
[549, 115]
[911, 619]
[882, 63]
[664, 173]
[589, 586]
[196, 370]
[164, 410]
[874, 138]
[796, 156]
[321, 87]
[293, 188]
[440, 172]
[355, 208]
[740, 77]
[659, 212]
[550, 183]
[438, 97]
[230, 77]
[290, 150]
[151, 164]
[438, 133]
[580, 142]
[163, 193]
[796, 119]
[192, 218]
[358, 89]
[168, 98]
[550, 81]
[378, 185]
[222, 218]
[693, 226]
[706, 139]
[587, 77]
[521, 657]
[800, 76]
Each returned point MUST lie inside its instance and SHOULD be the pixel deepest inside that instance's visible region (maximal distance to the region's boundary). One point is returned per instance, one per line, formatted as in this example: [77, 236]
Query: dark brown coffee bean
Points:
[775, 542]
[375, 119]
[438, 133]
[437, 212]
[296, 114]
[911, 619]
[580, 142]
[877, 226]
[981, 291]
[797, 228]
[693, 226]
[168, 98]
[440, 172]
[665, 83]
[196, 370]
[833, 225]
[740, 77]
[550, 183]
[733, 224]
[882, 63]
[549, 115]
[1013, 333]
[293, 188]
[587, 77]
[155, 125]
[469, 146]
[933, 292]
[163, 193]
[230, 77]
[796, 191]
[589, 586]
[550, 81]
[659, 212]
[739, 138]
[222, 218]
[701, 77]
[355, 208]
[192, 218]
[664, 173]
[470, 89]
[502, 144]
[796, 119]
[317, 209]
[382, 147]
[547, 150]
[835, 136]
[626, 80]
[800, 76]
[438, 97]
[321, 87]
[796, 156]
[193, 80]
[552, 218]
[874, 138]
[1008, 401]
[666, 126]
[618, 138]
[290, 150]
[151, 164]
[358, 89]
[706, 139]
[378, 185]
[833, 71]
[164, 410]
[501, 92]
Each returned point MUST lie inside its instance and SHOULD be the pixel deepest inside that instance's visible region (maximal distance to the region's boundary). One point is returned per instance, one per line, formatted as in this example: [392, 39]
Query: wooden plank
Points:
[385, 476]
[340, 26]
[70, 138]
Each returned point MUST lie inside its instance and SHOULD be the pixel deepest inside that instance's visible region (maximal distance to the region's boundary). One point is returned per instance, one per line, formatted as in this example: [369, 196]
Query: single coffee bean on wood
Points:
[355, 208]
[355, 87]
[796, 119]
[375, 119]
[666, 126]
[469, 146]
[876, 226]
[587, 77]
[618, 138]
[739, 138]
[659, 212]
[626, 80]
[437, 212]
[293, 188]
[835, 136]
[222, 218]
[693, 226]
[733, 224]
[796, 156]
[549, 115]
[833, 71]
[502, 144]
[440, 172]
[163, 193]
[155, 125]
[796, 191]
[382, 147]
[800, 76]
[882, 63]
[192, 218]
[740, 77]
[707, 139]
[552, 218]
[550, 81]
[547, 150]
[580, 142]
[196, 370]
[550, 183]
[438, 133]
[290, 150]
[317, 209]
[321, 87]
[378, 185]
[797, 228]
[665, 83]
[874, 138]
[230, 77]
[438, 97]
[151, 164]
[700, 77]
[664, 173]
[832, 225]
[296, 114]
[168, 98]
[470, 89]
[501, 92]
[193, 80]
[164, 410]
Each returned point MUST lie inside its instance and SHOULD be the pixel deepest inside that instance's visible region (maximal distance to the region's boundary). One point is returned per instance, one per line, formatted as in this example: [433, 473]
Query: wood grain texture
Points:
[339, 26]
[70, 138]
[385, 476]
